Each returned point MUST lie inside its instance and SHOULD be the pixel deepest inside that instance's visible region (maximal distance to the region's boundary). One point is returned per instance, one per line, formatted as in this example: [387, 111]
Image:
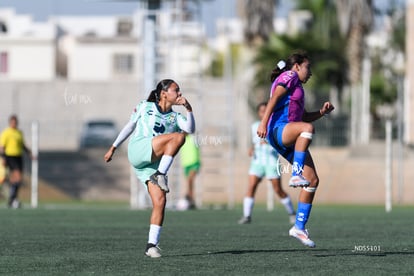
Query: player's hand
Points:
[326, 108]
[108, 155]
[183, 101]
[262, 131]
[180, 100]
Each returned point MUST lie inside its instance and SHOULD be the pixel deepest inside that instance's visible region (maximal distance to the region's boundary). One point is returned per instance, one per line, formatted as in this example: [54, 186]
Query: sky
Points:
[210, 9]
[42, 9]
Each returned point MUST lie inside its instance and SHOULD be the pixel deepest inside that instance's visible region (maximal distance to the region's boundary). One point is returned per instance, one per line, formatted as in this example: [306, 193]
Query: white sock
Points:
[154, 234]
[288, 205]
[248, 204]
[165, 163]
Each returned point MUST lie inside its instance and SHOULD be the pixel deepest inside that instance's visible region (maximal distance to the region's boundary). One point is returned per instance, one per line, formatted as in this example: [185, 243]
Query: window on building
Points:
[124, 27]
[3, 27]
[123, 64]
[3, 63]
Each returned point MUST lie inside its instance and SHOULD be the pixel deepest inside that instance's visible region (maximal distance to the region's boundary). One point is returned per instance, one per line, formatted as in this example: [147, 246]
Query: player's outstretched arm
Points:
[122, 136]
[108, 155]
[327, 108]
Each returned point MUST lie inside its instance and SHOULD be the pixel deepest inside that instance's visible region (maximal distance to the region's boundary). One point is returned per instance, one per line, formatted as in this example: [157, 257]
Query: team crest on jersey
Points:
[171, 118]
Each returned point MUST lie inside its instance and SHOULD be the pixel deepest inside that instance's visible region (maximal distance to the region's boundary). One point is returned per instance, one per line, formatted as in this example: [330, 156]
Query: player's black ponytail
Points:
[297, 57]
[155, 94]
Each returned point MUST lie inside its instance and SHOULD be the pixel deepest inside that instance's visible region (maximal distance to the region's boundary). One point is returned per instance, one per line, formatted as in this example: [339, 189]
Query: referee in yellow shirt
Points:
[12, 147]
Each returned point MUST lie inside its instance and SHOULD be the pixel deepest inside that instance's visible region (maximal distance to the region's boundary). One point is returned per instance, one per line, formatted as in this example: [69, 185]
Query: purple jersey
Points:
[291, 106]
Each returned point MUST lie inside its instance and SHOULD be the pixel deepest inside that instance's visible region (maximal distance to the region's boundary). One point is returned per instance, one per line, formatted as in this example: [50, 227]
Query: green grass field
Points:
[105, 240]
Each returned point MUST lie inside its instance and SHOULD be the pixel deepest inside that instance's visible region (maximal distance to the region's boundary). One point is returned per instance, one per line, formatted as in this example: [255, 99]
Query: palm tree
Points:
[321, 40]
[355, 20]
[258, 19]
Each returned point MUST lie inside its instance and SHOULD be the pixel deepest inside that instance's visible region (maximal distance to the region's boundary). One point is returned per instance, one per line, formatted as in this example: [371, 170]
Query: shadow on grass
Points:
[320, 253]
[251, 251]
[348, 252]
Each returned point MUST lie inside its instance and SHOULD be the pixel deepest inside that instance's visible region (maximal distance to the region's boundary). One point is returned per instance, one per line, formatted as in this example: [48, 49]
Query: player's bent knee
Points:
[306, 135]
[180, 139]
[310, 189]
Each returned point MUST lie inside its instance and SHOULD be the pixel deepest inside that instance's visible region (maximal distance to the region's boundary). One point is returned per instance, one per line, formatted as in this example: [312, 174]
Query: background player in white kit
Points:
[264, 163]
[159, 134]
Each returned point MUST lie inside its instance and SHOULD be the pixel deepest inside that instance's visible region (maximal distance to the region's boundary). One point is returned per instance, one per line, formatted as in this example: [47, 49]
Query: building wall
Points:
[95, 61]
[29, 59]
[27, 48]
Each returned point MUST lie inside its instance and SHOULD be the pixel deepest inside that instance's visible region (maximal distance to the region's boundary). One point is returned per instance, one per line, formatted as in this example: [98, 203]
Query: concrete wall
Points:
[61, 108]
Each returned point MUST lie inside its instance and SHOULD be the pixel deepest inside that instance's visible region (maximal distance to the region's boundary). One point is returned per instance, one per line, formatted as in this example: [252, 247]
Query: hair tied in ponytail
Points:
[281, 64]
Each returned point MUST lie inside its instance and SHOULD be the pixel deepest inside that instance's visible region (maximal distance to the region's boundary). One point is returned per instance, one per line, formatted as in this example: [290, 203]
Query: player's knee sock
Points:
[302, 215]
[287, 202]
[13, 191]
[154, 234]
[299, 157]
[18, 185]
[165, 164]
[298, 162]
[248, 204]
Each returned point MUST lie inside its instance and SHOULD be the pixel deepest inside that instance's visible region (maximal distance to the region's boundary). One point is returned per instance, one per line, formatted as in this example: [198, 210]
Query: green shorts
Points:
[193, 167]
[139, 155]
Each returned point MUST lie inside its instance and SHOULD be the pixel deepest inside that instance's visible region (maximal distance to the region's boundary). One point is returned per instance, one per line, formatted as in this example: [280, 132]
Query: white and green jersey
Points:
[264, 153]
[151, 121]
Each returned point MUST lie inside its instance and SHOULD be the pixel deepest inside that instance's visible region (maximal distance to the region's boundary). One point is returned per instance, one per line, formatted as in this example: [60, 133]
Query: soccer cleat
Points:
[302, 236]
[16, 204]
[161, 180]
[298, 181]
[153, 251]
[292, 219]
[245, 220]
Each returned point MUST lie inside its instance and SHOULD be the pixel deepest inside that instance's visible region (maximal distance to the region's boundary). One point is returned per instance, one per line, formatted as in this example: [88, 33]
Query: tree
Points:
[258, 20]
[320, 39]
[355, 20]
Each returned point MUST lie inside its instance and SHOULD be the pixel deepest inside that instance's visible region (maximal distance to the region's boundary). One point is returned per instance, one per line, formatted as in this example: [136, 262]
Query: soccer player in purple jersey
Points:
[286, 125]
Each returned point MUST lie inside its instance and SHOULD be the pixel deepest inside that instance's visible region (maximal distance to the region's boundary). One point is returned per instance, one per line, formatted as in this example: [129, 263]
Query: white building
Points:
[94, 48]
[27, 48]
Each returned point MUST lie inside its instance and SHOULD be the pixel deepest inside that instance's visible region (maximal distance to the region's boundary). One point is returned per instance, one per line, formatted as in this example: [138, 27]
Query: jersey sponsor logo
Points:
[159, 128]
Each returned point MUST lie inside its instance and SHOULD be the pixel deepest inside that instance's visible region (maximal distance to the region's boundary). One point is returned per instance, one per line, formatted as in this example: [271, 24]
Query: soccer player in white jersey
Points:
[264, 163]
[159, 134]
